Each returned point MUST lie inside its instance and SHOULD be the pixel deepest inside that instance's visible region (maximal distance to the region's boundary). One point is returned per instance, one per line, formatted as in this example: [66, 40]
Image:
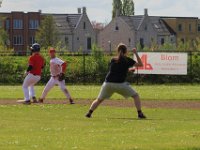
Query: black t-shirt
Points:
[118, 69]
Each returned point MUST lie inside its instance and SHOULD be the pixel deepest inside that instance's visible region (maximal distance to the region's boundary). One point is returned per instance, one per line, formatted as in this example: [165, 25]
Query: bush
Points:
[93, 70]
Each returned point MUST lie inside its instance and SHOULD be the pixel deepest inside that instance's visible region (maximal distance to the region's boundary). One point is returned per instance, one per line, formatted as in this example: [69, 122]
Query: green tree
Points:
[117, 6]
[3, 37]
[47, 34]
[128, 7]
[125, 7]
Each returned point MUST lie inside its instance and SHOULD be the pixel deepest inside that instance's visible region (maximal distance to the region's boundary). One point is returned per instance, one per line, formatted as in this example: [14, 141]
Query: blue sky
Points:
[100, 10]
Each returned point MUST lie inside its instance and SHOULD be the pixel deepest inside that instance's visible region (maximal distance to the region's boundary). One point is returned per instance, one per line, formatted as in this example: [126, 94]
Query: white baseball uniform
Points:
[55, 69]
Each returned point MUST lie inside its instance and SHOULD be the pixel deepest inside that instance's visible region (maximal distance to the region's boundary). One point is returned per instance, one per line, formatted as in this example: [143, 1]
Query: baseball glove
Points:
[61, 77]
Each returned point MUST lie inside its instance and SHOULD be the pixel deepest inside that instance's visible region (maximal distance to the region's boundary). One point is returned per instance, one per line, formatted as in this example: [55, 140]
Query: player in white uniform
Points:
[57, 69]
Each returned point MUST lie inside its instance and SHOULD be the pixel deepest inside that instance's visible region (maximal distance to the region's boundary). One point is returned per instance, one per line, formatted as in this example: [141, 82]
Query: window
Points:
[84, 25]
[129, 41]
[145, 28]
[162, 41]
[190, 27]
[142, 43]
[183, 40]
[89, 43]
[18, 40]
[180, 28]
[66, 41]
[7, 24]
[0, 24]
[31, 40]
[33, 24]
[116, 28]
[198, 27]
[18, 24]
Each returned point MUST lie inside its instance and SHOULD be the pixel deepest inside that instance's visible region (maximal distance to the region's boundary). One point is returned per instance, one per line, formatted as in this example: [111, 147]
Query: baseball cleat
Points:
[141, 116]
[88, 115]
[40, 100]
[71, 101]
[34, 99]
[28, 102]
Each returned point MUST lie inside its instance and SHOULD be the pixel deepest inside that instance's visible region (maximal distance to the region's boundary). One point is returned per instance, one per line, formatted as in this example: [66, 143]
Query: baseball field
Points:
[172, 110]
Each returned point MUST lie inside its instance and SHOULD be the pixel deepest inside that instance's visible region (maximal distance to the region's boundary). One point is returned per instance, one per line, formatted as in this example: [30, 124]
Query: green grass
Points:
[46, 127]
[147, 92]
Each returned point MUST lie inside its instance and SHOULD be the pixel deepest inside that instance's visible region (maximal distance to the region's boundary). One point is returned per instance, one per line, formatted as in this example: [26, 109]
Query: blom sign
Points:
[163, 63]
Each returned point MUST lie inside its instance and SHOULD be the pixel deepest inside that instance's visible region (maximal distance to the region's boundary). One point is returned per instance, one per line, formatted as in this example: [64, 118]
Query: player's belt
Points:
[55, 76]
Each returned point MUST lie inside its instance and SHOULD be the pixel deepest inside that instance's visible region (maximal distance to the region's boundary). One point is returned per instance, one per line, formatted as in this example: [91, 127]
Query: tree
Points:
[3, 37]
[117, 6]
[47, 34]
[125, 7]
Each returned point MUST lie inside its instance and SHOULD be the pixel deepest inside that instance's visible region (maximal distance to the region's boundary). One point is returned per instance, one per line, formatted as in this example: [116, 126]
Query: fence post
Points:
[83, 67]
[191, 65]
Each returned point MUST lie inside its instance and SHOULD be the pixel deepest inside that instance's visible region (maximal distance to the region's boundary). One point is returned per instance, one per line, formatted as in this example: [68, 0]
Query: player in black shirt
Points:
[115, 80]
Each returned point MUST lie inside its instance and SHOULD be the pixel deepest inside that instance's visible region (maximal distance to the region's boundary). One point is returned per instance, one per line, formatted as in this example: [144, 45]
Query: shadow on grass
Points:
[147, 119]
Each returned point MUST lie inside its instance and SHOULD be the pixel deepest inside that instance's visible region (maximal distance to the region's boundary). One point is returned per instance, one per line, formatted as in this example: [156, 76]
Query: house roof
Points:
[66, 23]
[158, 24]
[133, 21]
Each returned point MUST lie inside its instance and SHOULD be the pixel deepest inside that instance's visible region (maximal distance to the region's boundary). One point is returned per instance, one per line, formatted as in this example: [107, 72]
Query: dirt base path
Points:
[123, 103]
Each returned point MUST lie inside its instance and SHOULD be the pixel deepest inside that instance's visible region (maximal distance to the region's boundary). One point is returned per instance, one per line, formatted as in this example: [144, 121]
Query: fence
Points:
[92, 68]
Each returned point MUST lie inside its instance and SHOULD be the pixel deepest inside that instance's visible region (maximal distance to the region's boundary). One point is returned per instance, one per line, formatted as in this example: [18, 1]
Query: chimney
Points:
[79, 10]
[84, 10]
[40, 11]
[146, 12]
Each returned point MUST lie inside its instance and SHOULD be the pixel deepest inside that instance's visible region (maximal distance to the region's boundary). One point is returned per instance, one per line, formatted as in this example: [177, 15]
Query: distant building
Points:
[75, 30]
[133, 30]
[186, 28]
[21, 28]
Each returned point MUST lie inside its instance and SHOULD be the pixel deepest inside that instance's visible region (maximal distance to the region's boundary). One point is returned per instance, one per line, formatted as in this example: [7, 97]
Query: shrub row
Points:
[90, 69]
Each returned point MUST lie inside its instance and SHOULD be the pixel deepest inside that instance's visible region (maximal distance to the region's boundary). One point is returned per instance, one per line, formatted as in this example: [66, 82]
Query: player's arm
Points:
[64, 67]
[30, 66]
[44, 63]
[139, 61]
[136, 64]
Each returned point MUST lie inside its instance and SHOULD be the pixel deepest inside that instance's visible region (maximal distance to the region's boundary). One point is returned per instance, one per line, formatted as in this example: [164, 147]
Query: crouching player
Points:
[57, 69]
[33, 74]
[115, 80]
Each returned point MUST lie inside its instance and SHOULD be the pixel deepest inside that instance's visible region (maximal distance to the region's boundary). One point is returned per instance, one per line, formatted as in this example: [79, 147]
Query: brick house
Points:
[186, 28]
[134, 30]
[21, 28]
[75, 30]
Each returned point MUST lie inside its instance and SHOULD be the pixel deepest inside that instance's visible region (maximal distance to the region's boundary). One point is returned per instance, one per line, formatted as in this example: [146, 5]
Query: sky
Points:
[101, 10]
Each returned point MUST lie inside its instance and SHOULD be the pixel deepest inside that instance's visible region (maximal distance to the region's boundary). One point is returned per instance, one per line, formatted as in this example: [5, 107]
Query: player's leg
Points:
[105, 92]
[28, 81]
[32, 94]
[65, 91]
[25, 86]
[137, 101]
[94, 106]
[51, 83]
[126, 90]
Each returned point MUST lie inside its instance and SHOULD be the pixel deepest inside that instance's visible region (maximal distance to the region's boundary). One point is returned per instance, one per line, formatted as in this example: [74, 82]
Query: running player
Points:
[57, 69]
[33, 74]
[115, 80]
